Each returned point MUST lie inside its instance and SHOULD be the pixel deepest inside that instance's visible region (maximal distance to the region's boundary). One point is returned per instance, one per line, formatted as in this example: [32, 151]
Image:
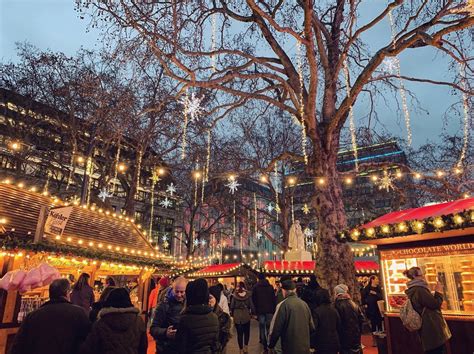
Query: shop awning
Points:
[422, 213]
[217, 269]
[86, 229]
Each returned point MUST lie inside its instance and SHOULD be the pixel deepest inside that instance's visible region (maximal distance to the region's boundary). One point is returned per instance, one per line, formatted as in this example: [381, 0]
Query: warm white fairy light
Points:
[276, 189]
[466, 128]
[255, 211]
[351, 117]
[403, 96]
[185, 128]
[213, 40]
[292, 210]
[117, 157]
[301, 101]
[208, 155]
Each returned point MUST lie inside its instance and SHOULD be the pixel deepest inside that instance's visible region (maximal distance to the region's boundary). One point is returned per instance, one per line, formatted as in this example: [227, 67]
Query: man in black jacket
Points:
[264, 300]
[167, 316]
[57, 327]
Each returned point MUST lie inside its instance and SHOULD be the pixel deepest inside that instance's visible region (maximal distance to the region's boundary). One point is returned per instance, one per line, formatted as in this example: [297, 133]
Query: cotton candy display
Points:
[12, 280]
[23, 281]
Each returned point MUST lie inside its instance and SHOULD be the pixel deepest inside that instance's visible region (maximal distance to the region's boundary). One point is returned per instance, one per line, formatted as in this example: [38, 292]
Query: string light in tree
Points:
[466, 125]
[213, 40]
[402, 90]
[352, 128]
[301, 101]
[116, 164]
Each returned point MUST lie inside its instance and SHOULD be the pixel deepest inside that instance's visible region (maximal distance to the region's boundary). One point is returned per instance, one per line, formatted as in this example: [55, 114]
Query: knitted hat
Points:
[119, 298]
[197, 292]
[216, 292]
[287, 283]
[341, 289]
[164, 282]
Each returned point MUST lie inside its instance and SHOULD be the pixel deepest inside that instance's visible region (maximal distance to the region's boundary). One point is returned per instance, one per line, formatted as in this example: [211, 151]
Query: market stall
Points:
[440, 240]
[41, 231]
[228, 274]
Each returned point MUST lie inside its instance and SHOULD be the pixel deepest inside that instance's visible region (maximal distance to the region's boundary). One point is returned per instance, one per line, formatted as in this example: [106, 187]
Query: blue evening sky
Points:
[54, 25]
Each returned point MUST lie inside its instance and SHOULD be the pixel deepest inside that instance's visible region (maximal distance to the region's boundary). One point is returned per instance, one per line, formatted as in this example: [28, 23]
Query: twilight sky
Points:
[53, 24]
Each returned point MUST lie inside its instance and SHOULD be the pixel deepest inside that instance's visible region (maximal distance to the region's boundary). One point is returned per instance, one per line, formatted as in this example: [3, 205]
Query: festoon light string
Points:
[402, 90]
[351, 117]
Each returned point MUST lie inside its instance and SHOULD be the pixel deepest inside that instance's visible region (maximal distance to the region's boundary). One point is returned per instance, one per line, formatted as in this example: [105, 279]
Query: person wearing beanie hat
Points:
[224, 319]
[351, 317]
[292, 324]
[198, 328]
[119, 328]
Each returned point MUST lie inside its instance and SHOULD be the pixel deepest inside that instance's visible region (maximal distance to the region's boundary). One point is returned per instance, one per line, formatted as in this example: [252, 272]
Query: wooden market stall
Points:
[228, 274]
[93, 241]
[440, 240]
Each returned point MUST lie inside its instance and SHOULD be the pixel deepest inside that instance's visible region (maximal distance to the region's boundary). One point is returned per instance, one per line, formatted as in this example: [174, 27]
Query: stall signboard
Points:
[429, 251]
[57, 220]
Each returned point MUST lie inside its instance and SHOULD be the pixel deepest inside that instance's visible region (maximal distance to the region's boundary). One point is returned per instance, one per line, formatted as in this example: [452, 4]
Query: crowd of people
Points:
[191, 317]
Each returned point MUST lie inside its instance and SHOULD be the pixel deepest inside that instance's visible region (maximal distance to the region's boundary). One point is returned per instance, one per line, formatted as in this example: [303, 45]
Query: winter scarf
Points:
[418, 282]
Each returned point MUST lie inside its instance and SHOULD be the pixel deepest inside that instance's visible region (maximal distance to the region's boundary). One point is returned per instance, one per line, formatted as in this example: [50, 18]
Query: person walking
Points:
[82, 293]
[300, 285]
[292, 322]
[241, 307]
[224, 320]
[99, 305]
[327, 325]
[351, 317]
[370, 295]
[264, 301]
[223, 301]
[57, 327]
[167, 316]
[310, 291]
[279, 292]
[434, 332]
[198, 328]
[119, 328]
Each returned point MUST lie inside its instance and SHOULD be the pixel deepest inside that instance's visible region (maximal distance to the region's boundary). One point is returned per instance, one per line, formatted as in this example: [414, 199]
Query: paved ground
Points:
[254, 345]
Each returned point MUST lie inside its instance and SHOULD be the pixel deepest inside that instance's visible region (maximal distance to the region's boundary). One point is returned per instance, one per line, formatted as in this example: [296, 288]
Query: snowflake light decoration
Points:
[259, 235]
[386, 182]
[171, 189]
[203, 243]
[104, 194]
[165, 238]
[165, 203]
[270, 208]
[306, 209]
[192, 105]
[308, 232]
[390, 65]
[232, 185]
[196, 242]
[278, 209]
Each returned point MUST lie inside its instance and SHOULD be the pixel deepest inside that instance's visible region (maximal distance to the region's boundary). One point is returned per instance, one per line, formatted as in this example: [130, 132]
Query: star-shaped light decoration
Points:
[270, 208]
[171, 189]
[203, 243]
[196, 242]
[166, 244]
[386, 182]
[308, 232]
[165, 237]
[305, 209]
[166, 203]
[104, 194]
[277, 209]
[155, 178]
[390, 65]
[259, 235]
[232, 185]
[192, 105]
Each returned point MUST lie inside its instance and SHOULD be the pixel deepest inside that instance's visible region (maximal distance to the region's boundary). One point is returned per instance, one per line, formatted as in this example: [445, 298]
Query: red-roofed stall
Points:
[439, 239]
[278, 268]
[228, 274]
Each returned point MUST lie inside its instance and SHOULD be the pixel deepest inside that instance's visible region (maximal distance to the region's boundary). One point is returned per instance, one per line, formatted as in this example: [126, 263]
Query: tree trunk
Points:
[328, 204]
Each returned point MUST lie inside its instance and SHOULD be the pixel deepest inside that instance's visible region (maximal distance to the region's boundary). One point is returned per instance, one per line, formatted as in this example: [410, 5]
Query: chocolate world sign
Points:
[429, 251]
[57, 220]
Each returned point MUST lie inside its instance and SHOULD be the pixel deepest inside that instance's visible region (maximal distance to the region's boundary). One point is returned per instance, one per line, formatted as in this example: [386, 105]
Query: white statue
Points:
[296, 239]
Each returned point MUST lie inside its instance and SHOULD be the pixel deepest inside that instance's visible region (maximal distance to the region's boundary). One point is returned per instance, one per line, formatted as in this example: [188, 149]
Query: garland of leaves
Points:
[12, 242]
[443, 223]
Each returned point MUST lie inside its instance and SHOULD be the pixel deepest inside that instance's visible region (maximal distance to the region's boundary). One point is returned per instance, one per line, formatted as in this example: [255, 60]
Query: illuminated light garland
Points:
[351, 118]
[213, 41]
[154, 180]
[138, 172]
[406, 112]
[292, 210]
[73, 165]
[185, 126]
[208, 155]
[195, 190]
[116, 164]
[89, 172]
[276, 189]
[301, 101]
[255, 212]
[466, 125]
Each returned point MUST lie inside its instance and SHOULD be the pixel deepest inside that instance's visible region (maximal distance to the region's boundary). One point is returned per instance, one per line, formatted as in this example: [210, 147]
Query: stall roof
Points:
[85, 228]
[422, 213]
[217, 269]
[307, 267]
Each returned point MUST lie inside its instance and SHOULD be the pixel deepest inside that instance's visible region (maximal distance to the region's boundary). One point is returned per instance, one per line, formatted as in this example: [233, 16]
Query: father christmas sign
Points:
[57, 220]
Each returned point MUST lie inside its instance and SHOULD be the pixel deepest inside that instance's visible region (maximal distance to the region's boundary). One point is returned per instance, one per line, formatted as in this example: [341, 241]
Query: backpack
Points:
[411, 319]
